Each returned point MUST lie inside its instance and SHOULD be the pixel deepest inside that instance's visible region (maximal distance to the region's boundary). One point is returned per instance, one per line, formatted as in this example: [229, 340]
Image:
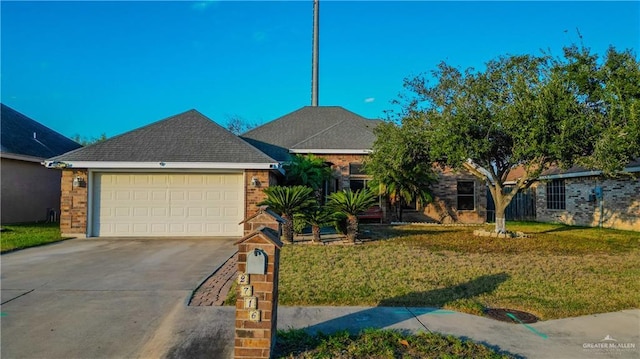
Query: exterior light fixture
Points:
[255, 182]
[78, 181]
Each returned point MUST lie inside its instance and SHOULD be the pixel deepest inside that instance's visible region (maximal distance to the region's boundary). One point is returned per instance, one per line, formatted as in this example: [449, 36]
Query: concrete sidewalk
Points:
[204, 328]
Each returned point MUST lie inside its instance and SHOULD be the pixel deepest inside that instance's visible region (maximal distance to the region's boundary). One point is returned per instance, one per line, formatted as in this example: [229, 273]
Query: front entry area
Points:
[167, 204]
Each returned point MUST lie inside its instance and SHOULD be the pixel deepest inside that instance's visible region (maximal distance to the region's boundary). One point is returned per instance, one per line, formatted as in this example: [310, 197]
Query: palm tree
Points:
[351, 203]
[287, 201]
[307, 170]
[317, 217]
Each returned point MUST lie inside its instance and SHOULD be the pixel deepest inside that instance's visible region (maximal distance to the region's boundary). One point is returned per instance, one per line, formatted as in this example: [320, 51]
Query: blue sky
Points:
[108, 67]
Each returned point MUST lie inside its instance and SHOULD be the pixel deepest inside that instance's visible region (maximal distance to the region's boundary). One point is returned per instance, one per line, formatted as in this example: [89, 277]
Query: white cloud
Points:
[369, 99]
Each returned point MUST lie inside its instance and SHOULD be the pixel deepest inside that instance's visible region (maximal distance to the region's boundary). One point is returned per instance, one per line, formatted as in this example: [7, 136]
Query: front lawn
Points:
[20, 236]
[376, 343]
[560, 272]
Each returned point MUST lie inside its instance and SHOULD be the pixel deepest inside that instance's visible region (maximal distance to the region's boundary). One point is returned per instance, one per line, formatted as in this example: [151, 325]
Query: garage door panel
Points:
[167, 204]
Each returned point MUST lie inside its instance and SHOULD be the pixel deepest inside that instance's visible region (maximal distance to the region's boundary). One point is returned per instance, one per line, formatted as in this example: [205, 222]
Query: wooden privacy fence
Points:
[521, 208]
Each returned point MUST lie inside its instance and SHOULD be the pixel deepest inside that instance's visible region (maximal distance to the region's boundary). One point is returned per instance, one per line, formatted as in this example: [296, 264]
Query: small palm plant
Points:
[351, 203]
[317, 217]
[287, 201]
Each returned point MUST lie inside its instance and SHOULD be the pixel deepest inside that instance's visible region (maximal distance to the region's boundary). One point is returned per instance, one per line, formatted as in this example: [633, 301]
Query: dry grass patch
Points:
[560, 272]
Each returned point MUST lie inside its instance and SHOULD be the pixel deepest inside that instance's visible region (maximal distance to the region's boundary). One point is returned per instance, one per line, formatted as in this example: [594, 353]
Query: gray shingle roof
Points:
[21, 135]
[186, 137]
[320, 127]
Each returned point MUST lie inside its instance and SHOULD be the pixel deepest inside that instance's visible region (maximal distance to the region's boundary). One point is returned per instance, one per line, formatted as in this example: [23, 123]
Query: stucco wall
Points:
[28, 190]
[619, 207]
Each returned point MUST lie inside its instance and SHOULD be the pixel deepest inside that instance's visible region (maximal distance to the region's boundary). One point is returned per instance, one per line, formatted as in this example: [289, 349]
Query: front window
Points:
[556, 198]
[357, 184]
[466, 196]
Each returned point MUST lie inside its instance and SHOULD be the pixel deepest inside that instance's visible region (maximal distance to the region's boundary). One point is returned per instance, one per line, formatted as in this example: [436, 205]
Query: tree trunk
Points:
[352, 228]
[501, 223]
[287, 229]
[501, 201]
[316, 234]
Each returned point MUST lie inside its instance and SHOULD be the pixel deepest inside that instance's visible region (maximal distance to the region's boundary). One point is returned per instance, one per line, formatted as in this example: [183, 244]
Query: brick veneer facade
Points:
[445, 192]
[340, 168]
[73, 203]
[74, 200]
[620, 203]
[255, 339]
[254, 195]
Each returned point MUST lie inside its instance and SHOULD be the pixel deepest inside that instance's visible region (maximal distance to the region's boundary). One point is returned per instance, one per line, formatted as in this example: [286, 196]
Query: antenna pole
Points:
[315, 53]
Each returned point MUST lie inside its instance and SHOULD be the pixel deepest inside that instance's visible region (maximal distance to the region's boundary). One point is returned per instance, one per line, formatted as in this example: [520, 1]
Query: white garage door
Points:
[167, 204]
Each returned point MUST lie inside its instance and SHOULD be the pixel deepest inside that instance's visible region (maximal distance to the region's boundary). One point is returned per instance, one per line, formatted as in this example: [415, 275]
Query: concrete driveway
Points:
[108, 298]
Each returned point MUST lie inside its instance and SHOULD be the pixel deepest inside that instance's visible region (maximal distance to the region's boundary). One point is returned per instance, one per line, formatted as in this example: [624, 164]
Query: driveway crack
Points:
[16, 297]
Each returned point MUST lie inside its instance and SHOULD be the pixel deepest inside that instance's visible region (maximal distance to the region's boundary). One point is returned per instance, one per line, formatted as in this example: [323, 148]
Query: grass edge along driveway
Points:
[20, 236]
[559, 272]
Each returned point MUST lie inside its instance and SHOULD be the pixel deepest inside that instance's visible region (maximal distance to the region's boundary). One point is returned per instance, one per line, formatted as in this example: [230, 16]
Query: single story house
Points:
[181, 176]
[187, 176]
[586, 198]
[30, 192]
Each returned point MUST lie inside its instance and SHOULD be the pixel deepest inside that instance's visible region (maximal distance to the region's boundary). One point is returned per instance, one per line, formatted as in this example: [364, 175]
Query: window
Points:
[466, 196]
[356, 169]
[357, 177]
[357, 184]
[555, 195]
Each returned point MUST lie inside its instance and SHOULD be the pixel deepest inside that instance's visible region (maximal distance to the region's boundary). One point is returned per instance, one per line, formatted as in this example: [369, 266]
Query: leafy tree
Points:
[610, 89]
[531, 112]
[350, 204]
[86, 141]
[317, 217]
[287, 201]
[238, 125]
[400, 164]
[309, 170]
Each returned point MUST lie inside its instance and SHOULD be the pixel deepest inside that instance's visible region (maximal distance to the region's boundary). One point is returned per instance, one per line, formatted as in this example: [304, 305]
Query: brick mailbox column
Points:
[257, 293]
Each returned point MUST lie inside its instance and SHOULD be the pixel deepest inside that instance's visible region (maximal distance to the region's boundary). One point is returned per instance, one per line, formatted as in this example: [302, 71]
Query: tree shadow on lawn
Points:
[392, 312]
[389, 312]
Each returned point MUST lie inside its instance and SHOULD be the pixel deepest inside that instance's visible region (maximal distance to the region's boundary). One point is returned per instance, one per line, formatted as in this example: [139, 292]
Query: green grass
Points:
[28, 235]
[377, 344]
[561, 271]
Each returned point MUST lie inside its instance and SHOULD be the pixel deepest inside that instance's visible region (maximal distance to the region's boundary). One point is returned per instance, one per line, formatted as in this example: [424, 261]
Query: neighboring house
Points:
[30, 192]
[182, 176]
[581, 197]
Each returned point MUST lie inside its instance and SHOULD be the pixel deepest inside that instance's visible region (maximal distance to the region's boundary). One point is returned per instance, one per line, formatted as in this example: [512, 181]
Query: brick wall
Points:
[255, 339]
[73, 203]
[254, 195]
[445, 192]
[340, 168]
[620, 203]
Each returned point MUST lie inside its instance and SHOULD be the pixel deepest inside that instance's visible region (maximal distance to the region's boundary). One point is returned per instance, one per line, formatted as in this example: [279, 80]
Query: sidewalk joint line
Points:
[418, 319]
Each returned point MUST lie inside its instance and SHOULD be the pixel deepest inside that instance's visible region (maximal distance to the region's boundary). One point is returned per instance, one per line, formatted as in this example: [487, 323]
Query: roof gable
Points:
[186, 137]
[313, 127]
[21, 135]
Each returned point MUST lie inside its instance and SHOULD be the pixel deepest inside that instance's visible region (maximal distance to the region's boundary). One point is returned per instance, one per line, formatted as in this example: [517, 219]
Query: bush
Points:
[299, 225]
